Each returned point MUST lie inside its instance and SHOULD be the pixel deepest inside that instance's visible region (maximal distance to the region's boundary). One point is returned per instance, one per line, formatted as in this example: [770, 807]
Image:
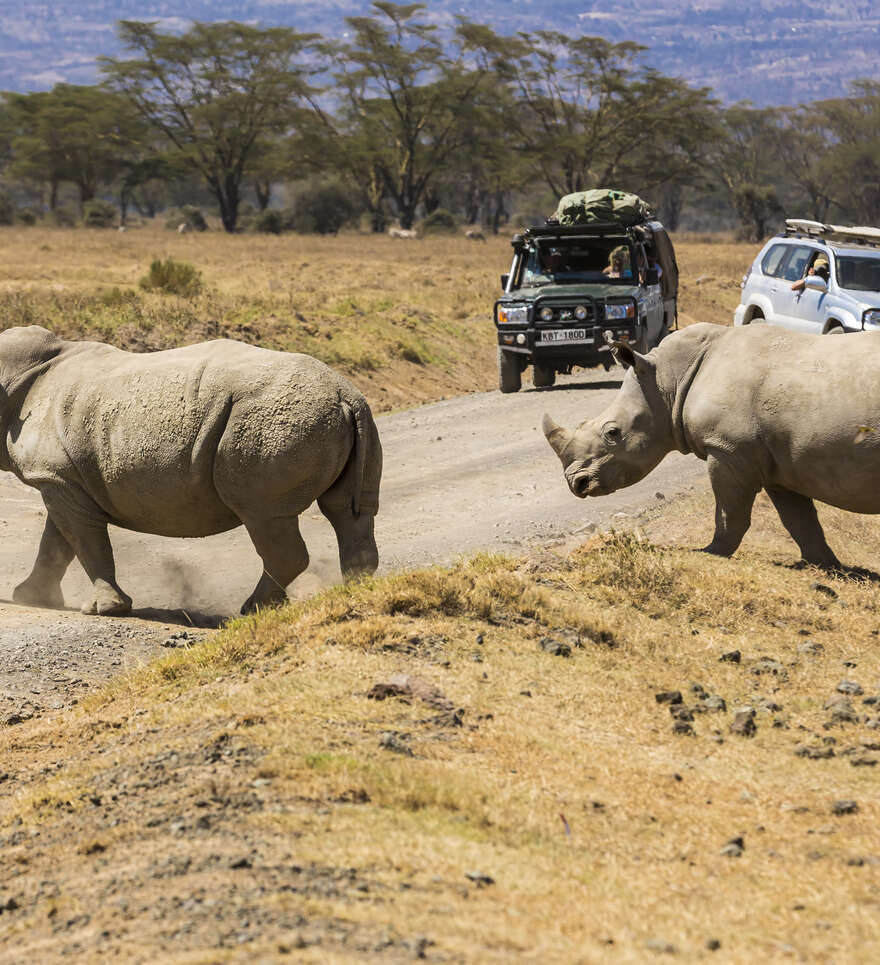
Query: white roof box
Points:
[832, 232]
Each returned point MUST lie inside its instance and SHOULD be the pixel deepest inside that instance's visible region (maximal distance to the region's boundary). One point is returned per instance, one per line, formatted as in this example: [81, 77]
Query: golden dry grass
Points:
[601, 828]
[407, 321]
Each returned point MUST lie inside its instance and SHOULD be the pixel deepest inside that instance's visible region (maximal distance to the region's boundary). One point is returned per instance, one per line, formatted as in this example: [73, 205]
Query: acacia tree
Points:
[215, 93]
[403, 94]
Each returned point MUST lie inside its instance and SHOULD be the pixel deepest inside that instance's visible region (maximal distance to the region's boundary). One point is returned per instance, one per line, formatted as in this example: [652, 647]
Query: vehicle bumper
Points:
[739, 315]
[528, 342]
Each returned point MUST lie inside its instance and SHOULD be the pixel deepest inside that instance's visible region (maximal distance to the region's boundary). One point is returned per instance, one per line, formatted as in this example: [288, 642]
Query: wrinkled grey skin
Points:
[795, 414]
[188, 442]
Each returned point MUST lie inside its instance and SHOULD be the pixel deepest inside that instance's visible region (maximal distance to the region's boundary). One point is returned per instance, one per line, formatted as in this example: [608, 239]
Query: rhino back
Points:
[141, 432]
[803, 409]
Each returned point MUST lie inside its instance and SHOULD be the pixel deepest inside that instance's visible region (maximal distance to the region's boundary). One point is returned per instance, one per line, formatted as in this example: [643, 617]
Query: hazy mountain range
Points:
[771, 52]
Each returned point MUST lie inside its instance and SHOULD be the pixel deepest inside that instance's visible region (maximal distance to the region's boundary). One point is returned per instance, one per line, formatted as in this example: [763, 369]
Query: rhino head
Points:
[626, 441]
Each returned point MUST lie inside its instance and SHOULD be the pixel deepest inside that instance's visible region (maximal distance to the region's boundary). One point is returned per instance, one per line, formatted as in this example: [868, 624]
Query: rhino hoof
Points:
[33, 594]
[108, 601]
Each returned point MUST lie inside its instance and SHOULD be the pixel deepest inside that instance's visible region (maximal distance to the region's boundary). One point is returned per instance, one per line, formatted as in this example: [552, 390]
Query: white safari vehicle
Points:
[844, 297]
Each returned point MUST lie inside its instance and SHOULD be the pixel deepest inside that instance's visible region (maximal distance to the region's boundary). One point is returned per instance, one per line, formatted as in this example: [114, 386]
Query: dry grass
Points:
[408, 322]
[565, 784]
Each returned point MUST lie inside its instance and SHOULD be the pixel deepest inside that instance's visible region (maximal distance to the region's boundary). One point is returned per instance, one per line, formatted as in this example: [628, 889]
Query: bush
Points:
[64, 216]
[271, 221]
[99, 214]
[173, 278]
[440, 221]
[26, 216]
[7, 208]
[190, 215]
[322, 209]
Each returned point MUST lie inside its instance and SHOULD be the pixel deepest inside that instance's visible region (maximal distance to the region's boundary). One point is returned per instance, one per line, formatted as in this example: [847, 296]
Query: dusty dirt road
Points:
[468, 474]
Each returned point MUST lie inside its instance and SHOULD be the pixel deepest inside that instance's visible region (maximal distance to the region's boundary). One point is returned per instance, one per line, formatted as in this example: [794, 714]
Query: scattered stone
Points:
[744, 723]
[245, 861]
[390, 741]
[824, 588]
[865, 760]
[842, 711]
[683, 729]
[713, 944]
[9, 905]
[732, 656]
[814, 752]
[767, 705]
[408, 686]
[839, 808]
[714, 703]
[849, 687]
[872, 701]
[480, 879]
[810, 649]
[699, 691]
[660, 947]
[767, 665]
[659, 495]
[733, 848]
[681, 712]
[480, 639]
[555, 647]
[668, 697]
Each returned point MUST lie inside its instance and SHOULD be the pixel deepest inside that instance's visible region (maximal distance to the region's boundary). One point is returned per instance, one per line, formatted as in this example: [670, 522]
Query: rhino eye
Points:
[612, 433]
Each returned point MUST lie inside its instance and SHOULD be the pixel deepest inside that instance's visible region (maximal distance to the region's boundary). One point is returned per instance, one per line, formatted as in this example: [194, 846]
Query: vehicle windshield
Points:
[859, 274]
[594, 260]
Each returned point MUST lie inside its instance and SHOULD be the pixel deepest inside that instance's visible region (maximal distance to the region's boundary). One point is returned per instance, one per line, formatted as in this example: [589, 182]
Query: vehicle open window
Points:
[796, 266]
[774, 260]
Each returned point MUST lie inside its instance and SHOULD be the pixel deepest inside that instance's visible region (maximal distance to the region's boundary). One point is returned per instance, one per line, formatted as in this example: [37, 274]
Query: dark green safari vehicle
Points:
[569, 284]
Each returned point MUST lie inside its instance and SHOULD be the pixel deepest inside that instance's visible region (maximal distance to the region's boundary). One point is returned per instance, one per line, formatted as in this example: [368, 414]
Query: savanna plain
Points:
[616, 751]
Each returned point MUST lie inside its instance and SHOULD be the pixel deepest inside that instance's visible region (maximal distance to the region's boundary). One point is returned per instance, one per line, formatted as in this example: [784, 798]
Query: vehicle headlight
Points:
[513, 314]
[547, 314]
[580, 312]
[872, 316]
[620, 311]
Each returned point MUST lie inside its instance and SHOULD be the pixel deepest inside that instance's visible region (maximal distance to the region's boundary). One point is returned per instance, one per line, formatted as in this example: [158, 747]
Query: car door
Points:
[763, 281]
[809, 308]
[787, 303]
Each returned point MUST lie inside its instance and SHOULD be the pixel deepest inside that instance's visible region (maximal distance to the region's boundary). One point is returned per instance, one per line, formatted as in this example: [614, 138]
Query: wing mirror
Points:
[816, 282]
[504, 281]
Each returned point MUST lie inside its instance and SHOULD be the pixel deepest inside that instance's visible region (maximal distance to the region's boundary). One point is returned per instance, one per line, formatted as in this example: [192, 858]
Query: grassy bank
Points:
[251, 799]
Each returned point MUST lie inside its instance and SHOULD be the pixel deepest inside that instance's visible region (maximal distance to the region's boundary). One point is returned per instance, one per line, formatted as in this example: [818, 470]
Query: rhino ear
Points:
[556, 435]
[628, 357]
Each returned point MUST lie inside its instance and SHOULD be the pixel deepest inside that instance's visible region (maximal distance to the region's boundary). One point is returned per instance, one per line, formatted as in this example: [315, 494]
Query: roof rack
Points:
[575, 230]
[854, 235]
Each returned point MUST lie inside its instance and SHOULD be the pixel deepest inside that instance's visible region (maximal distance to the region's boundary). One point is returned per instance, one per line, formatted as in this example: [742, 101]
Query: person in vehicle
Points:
[618, 263]
[645, 263]
[819, 266]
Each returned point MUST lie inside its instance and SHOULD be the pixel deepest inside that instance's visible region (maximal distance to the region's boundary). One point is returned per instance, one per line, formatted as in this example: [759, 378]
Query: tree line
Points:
[402, 119]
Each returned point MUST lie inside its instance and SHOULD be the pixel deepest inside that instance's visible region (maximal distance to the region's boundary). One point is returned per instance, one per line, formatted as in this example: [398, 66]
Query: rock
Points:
[555, 647]
[865, 760]
[824, 589]
[409, 686]
[681, 712]
[243, 862]
[480, 879]
[814, 752]
[390, 741]
[683, 729]
[839, 808]
[849, 687]
[767, 705]
[842, 711]
[668, 697]
[660, 947]
[713, 704]
[871, 701]
[733, 848]
[767, 665]
[732, 656]
[699, 691]
[713, 944]
[744, 723]
[659, 495]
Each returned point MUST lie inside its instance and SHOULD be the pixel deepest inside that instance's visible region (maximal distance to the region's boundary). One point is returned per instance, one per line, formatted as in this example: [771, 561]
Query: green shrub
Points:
[99, 214]
[190, 215]
[322, 209]
[440, 221]
[64, 216]
[271, 221]
[26, 216]
[7, 208]
[173, 278]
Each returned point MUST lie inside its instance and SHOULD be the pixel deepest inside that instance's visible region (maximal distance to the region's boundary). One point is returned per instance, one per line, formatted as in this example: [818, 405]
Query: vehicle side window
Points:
[797, 263]
[774, 259]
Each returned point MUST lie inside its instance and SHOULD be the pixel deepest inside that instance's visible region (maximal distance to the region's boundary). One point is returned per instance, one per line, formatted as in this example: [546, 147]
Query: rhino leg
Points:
[798, 515]
[354, 534]
[734, 497]
[43, 586]
[280, 546]
[81, 524]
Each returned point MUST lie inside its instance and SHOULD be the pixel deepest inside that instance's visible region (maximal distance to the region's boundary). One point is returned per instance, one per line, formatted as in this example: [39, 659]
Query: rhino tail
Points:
[365, 462]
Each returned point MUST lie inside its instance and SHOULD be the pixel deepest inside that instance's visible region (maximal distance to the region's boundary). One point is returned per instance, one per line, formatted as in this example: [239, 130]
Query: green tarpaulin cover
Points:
[602, 204]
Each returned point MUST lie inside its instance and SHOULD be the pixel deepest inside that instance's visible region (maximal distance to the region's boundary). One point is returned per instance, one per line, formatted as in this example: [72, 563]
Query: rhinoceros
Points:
[795, 414]
[186, 442]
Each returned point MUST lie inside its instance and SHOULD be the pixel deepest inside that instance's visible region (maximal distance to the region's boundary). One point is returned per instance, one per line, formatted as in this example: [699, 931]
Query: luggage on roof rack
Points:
[604, 205]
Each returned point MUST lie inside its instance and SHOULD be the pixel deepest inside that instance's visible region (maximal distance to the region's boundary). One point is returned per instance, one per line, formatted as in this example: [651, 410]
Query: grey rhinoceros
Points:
[187, 442]
[795, 414]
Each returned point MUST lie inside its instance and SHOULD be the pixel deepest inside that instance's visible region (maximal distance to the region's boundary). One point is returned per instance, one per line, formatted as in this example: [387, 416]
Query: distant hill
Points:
[771, 52]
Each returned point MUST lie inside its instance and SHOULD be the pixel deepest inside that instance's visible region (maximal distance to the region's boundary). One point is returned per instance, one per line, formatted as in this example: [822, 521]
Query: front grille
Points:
[564, 314]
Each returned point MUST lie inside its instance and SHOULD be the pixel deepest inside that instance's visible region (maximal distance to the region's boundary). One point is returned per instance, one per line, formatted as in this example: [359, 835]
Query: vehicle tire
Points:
[509, 374]
[835, 329]
[543, 376]
[757, 316]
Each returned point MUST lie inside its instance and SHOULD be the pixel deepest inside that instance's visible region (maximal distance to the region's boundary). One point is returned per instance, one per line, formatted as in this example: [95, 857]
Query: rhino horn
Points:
[556, 435]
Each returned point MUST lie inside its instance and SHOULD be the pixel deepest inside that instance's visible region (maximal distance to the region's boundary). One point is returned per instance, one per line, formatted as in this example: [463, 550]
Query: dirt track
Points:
[468, 474]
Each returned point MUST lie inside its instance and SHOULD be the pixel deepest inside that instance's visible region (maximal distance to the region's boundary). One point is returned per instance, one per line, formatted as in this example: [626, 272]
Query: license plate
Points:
[566, 335]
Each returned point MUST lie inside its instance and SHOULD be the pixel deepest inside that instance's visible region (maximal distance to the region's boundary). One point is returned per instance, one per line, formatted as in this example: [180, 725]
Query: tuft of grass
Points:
[173, 277]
